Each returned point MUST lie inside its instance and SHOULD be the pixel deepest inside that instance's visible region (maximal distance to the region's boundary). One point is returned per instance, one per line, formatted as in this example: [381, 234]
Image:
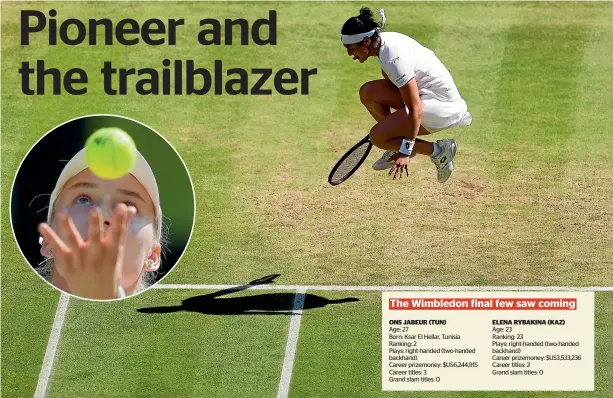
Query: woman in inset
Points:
[103, 238]
[414, 80]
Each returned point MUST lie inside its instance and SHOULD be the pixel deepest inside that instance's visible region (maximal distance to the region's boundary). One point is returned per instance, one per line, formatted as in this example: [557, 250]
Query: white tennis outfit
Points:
[402, 59]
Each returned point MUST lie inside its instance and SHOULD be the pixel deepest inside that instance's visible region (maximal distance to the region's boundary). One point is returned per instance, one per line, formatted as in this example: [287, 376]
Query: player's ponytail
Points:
[367, 18]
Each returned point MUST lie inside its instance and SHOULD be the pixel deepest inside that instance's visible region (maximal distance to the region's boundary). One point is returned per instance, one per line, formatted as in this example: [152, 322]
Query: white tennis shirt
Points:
[403, 58]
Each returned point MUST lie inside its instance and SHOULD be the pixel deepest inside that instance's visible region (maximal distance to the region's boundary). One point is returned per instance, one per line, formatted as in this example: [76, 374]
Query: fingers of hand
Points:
[55, 244]
[117, 224]
[70, 232]
[121, 221]
[130, 213]
[95, 233]
[96, 226]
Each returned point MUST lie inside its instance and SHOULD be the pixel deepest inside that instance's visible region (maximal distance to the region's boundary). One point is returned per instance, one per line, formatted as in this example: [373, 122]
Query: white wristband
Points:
[407, 147]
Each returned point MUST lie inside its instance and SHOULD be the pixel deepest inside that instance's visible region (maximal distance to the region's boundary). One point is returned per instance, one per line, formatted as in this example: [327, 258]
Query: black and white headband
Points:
[352, 39]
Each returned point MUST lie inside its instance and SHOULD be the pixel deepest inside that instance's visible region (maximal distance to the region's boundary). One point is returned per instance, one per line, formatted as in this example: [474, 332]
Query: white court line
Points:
[292, 343]
[54, 338]
[392, 288]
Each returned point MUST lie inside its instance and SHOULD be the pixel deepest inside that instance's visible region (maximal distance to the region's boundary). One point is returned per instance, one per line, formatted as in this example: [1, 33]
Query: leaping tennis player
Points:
[414, 79]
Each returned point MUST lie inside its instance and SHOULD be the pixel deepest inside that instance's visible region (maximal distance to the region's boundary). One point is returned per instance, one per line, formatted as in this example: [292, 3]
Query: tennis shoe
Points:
[383, 163]
[444, 160]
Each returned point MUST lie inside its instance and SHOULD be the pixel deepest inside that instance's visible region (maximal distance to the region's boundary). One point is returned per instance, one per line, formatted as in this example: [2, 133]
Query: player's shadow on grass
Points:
[256, 304]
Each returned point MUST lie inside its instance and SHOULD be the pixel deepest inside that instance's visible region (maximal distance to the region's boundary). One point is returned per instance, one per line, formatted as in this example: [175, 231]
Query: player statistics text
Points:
[484, 342]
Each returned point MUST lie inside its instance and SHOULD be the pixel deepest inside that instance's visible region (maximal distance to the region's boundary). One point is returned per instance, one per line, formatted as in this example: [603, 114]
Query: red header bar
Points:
[542, 304]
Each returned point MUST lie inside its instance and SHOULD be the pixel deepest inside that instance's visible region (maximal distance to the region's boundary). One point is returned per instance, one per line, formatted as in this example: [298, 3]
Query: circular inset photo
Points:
[102, 207]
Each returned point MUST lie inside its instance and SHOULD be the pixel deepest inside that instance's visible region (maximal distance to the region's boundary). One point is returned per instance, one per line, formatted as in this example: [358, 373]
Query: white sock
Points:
[437, 150]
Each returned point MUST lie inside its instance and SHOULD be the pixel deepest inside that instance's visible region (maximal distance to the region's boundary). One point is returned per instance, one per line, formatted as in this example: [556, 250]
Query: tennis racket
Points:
[350, 162]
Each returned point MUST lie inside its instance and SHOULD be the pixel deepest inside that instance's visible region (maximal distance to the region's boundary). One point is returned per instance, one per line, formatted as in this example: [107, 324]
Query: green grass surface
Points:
[529, 203]
[190, 350]
[167, 354]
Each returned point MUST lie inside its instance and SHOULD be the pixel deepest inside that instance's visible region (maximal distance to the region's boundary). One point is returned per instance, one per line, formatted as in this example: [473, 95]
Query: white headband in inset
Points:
[358, 37]
[141, 171]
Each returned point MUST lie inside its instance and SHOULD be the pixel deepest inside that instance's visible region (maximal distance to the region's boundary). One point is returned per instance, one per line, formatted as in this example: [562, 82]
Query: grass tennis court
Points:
[529, 203]
[197, 353]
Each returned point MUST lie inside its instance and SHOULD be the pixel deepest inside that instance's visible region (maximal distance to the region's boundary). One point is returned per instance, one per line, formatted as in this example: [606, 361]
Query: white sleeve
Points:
[400, 70]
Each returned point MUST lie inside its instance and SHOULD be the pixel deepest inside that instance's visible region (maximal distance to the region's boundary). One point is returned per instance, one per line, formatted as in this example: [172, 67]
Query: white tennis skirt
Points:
[439, 115]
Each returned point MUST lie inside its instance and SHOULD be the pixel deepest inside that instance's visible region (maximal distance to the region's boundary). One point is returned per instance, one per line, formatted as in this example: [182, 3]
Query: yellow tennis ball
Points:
[110, 153]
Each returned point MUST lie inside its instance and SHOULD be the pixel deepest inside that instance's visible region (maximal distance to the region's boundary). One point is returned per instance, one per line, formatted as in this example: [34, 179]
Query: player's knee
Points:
[376, 137]
[367, 91]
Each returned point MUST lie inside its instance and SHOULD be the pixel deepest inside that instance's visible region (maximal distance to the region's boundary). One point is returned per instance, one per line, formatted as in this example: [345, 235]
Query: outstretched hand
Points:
[91, 268]
[401, 162]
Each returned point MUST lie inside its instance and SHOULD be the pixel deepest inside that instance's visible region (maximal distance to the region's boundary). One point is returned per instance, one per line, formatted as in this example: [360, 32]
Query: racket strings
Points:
[349, 164]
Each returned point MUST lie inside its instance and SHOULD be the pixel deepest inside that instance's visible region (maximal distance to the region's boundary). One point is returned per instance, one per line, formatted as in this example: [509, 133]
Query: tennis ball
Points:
[110, 153]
